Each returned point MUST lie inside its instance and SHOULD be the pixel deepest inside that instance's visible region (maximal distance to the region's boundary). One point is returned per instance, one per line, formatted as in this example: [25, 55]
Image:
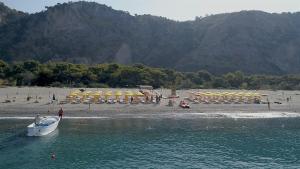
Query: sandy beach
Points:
[20, 107]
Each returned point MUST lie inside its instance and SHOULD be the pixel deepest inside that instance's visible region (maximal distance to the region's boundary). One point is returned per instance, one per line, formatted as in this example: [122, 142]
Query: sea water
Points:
[154, 143]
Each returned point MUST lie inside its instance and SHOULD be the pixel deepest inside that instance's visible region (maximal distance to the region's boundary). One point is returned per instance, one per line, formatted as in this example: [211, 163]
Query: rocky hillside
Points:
[7, 14]
[87, 32]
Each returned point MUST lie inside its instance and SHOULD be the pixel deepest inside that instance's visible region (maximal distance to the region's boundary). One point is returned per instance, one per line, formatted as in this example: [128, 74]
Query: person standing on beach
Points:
[60, 113]
[269, 106]
[131, 99]
[53, 98]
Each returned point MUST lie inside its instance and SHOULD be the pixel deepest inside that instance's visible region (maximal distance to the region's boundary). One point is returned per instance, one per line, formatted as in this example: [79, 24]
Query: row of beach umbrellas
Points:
[226, 96]
[107, 94]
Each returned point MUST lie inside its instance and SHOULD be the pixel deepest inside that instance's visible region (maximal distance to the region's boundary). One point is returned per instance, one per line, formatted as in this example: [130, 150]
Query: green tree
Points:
[4, 68]
[234, 79]
[31, 66]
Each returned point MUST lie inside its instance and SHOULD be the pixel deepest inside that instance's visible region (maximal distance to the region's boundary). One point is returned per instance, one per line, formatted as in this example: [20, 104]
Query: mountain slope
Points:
[87, 32]
[7, 14]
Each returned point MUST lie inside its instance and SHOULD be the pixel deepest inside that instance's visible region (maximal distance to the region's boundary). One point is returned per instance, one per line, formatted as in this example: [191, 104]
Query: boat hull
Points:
[36, 130]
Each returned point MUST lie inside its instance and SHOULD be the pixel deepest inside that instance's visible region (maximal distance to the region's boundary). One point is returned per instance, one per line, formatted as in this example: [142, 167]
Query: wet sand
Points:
[20, 107]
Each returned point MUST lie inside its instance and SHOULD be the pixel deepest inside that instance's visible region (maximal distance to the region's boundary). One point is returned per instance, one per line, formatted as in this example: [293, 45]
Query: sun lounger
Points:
[195, 102]
[63, 102]
[122, 101]
[75, 102]
[216, 102]
[87, 101]
[226, 102]
[237, 102]
[100, 101]
[109, 101]
[206, 102]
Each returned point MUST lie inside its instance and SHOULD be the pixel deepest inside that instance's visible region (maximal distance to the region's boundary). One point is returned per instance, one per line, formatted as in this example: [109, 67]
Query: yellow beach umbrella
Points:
[73, 94]
[129, 93]
[118, 94]
[89, 93]
[138, 94]
[107, 94]
[96, 95]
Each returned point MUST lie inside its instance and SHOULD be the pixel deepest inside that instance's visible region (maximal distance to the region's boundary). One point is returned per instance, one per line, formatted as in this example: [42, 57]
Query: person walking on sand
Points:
[60, 113]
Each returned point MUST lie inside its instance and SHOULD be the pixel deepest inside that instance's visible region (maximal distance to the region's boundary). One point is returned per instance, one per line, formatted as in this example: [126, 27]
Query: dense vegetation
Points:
[31, 73]
[254, 42]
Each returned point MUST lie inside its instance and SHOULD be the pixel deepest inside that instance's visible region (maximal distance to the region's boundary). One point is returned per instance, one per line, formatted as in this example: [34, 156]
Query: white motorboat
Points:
[43, 126]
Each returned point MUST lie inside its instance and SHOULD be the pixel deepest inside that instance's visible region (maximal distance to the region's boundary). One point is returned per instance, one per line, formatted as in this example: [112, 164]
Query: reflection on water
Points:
[154, 143]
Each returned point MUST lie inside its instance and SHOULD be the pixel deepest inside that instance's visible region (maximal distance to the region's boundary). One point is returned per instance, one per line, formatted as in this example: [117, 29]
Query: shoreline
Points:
[173, 115]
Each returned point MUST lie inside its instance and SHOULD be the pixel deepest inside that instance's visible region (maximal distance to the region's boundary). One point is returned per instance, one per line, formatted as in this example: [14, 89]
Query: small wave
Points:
[16, 118]
[85, 117]
[247, 115]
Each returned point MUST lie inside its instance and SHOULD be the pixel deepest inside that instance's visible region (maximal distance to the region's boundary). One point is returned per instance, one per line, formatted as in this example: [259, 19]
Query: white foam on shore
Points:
[17, 118]
[65, 117]
[247, 115]
[85, 117]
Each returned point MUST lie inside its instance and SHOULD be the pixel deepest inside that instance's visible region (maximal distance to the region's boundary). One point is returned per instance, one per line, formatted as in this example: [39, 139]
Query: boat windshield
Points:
[46, 122]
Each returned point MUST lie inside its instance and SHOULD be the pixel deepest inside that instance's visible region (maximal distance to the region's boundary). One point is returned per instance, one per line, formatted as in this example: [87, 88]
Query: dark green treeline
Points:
[33, 73]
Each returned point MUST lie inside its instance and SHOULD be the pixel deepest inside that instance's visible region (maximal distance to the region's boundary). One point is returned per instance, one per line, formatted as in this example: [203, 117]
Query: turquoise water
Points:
[154, 143]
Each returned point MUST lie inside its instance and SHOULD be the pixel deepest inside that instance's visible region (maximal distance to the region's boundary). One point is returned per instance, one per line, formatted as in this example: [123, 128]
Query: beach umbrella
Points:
[138, 94]
[118, 94]
[127, 94]
[96, 95]
[107, 94]
[73, 94]
[89, 93]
